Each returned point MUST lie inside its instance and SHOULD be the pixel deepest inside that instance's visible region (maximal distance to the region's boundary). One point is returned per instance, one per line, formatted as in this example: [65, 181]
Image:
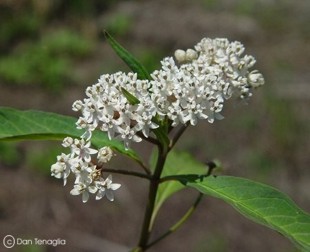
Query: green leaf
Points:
[38, 125]
[177, 163]
[128, 58]
[260, 203]
[130, 98]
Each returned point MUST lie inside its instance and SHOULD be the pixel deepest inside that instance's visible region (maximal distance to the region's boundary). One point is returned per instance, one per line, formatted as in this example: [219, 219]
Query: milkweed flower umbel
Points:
[196, 85]
[107, 108]
[81, 162]
[190, 87]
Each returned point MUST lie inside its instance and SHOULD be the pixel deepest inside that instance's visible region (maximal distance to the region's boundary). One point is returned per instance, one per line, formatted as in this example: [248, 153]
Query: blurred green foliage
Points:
[33, 248]
[9, 154]
[214, 242]
[260, 162]
[35, 49]
[80, 8]
[270, 15]
[14, 27]
[150, 58]
[40, 162]
[46, 62]
[119, 24]
[283, 124]
[66, 43]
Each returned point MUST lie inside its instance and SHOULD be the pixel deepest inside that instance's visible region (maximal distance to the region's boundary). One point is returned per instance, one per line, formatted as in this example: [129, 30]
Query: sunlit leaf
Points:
[128, 58]
[38, 125]
[260, 203]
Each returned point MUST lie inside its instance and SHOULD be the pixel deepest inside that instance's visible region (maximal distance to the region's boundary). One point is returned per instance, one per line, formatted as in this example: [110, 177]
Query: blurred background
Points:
[51, 50]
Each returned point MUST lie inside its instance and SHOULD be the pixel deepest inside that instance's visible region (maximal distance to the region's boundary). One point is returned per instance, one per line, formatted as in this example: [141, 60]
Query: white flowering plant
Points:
[157, 108]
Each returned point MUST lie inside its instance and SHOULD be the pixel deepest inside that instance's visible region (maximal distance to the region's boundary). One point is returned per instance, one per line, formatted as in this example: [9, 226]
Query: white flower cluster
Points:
[204, 78]
[87, 176]
[107, 108]
[193, 87]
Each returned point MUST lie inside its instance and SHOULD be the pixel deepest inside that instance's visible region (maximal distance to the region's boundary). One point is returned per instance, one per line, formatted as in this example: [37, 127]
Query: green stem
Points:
[148, 139]
[131, 173]
[178, 134]
[146, 227]
[163, 150]
[145, 168]
[177, 225]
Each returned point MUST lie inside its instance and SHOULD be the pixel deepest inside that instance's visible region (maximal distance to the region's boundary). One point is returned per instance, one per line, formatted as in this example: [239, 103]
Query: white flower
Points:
[61, 169]
[234, 66]
[84, 173]
[256, 79]
[192, 92]
[106, 188]
[108, 109]
[84, 190]
[104, 154]
[85, 176]
[77, 105]
[214, 71]
[67, 142]
[82, 149]
[101, 188]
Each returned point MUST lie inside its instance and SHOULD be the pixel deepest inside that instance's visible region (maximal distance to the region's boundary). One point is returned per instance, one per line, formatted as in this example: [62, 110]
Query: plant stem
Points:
[148, 139]
[131, 173]
[145, 168]
[146, 229]
[178, 135]
[189, 212]
[163, 151]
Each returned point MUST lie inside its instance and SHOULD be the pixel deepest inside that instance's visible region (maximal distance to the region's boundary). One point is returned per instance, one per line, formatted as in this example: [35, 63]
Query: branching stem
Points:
[178, 135]
[131, 173]
[179, 223]
[155, 180]
[148, 139]
[145, 168]
[146, 227]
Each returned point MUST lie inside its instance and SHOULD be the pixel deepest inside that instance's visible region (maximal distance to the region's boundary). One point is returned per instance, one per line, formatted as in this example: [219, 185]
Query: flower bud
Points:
[256, 79]
[191, 55]
[105, 154]
[180, 55]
